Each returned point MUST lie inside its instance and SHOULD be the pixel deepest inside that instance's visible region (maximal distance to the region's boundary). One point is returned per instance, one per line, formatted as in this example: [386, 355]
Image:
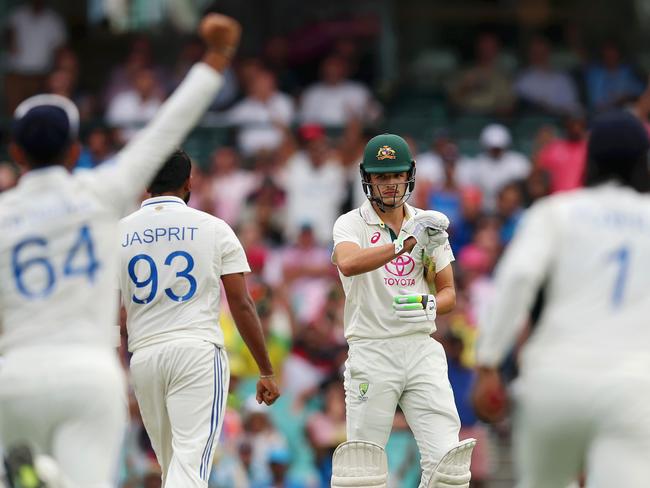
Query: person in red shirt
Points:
[564, 159]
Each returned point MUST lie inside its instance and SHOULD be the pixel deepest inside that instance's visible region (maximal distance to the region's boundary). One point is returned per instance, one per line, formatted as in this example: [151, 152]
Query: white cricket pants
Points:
[67, 402]
[182, 387]
[590, 420]
[410, 371]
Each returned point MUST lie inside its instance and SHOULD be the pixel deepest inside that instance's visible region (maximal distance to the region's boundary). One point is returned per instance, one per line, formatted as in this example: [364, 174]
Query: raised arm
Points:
[139, 161]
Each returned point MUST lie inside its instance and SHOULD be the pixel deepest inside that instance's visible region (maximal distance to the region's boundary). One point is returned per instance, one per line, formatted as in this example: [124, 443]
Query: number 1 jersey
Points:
[172, 258]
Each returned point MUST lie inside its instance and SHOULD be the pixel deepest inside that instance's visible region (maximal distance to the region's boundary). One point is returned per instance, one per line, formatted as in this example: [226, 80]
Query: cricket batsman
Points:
[388, 253]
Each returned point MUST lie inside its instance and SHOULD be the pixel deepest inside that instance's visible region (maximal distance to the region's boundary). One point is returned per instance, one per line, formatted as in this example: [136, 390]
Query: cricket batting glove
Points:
[427, 227]
[414, 307]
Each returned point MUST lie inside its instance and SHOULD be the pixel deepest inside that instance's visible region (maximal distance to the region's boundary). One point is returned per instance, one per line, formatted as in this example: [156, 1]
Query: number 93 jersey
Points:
[172, 258]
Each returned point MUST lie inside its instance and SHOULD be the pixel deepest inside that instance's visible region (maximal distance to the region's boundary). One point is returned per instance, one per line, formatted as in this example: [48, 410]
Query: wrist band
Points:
[266, 376]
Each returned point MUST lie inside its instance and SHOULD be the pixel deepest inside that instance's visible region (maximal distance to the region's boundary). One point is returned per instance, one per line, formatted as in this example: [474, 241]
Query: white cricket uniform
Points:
[583, 395]
[61, 384]
[172, 258]
[391, 362]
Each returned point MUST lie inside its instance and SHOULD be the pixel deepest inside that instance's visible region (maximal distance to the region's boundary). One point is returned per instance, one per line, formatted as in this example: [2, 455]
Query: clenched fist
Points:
[221, 35]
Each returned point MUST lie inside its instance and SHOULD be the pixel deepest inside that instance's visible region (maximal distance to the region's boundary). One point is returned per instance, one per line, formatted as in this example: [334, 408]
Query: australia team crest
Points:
[386, 152]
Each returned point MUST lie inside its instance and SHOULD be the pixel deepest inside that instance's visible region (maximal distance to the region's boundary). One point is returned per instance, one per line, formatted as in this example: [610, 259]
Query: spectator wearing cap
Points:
[336, 100]
[495, 166]
[564, 159]
[315, 184]
[263, 116]
[543, 87]
[34, 32]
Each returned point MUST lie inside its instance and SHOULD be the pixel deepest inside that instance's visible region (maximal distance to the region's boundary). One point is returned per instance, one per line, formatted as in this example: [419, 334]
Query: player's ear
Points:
[18, 156]
[187, 186]
[72, 155]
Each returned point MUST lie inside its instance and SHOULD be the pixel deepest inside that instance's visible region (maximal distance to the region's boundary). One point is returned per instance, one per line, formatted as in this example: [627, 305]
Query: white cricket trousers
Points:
[182, 387]
[408, 371]
[568, 421]
[67, 402]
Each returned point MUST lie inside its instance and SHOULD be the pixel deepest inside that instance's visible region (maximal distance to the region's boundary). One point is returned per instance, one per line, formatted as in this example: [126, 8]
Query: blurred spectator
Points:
[263, 438]
[430, 168]
[308, 272]
[9, 174]
[276, 58]
[315, 183]
[542, 86]
[351, 146]
[191, 53]
[483, 87]
[132, 109]
[33, 34]
[495, 166]
[471, 211]
[611, 82]
[537, 185]
[263, 116]
[326, 428]
[335, 99]
[509, 210]
[98, 149]
[279, 461]
[231, 184]
[461, 378]
[122, 77]
[641, 108]
[565, 159]
[436, 166]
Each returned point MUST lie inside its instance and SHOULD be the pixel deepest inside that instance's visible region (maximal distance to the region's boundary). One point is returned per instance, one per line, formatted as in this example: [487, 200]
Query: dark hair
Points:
[173, 175]
[618, 150]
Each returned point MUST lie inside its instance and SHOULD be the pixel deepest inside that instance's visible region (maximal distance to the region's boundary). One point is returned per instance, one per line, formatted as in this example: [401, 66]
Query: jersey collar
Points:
[371, 218]
[39, 176]
[162, 200]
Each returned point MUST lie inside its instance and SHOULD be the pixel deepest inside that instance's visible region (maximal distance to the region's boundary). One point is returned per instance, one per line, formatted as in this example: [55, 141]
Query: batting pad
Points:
[359, 464]
[453, 469]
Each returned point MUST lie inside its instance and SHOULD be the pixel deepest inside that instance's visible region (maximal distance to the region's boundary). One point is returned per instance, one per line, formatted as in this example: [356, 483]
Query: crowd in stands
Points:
[289, 167]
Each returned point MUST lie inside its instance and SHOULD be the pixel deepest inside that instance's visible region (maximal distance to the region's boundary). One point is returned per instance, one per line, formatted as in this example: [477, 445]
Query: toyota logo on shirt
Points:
[400, 266]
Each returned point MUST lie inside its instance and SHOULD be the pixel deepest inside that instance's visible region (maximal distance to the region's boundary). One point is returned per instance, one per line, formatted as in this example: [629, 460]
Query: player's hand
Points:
[414, 307]
[427, 227]
[221, 35]
[489, 397]
[267, 391]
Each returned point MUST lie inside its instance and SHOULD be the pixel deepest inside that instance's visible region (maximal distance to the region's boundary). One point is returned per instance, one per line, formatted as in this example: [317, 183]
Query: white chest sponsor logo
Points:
[400, 268]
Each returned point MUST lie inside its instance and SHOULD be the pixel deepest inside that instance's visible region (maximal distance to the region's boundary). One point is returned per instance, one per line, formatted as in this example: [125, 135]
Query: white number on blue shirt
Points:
[151, 278]
[80, 260]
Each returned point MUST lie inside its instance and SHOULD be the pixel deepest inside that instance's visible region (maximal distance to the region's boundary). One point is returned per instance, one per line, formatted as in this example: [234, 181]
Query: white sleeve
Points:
[119, 184]
[443, 256]
[232, 255]
[345, 230]
[522, 269]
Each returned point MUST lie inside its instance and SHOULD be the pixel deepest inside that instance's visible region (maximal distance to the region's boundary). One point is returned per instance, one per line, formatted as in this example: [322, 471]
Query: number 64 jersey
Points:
[172, 258]
[591, 250]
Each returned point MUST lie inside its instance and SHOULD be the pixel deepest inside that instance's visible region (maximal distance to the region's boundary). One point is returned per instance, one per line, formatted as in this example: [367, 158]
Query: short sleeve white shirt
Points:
[369, 296]
[172, 258]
